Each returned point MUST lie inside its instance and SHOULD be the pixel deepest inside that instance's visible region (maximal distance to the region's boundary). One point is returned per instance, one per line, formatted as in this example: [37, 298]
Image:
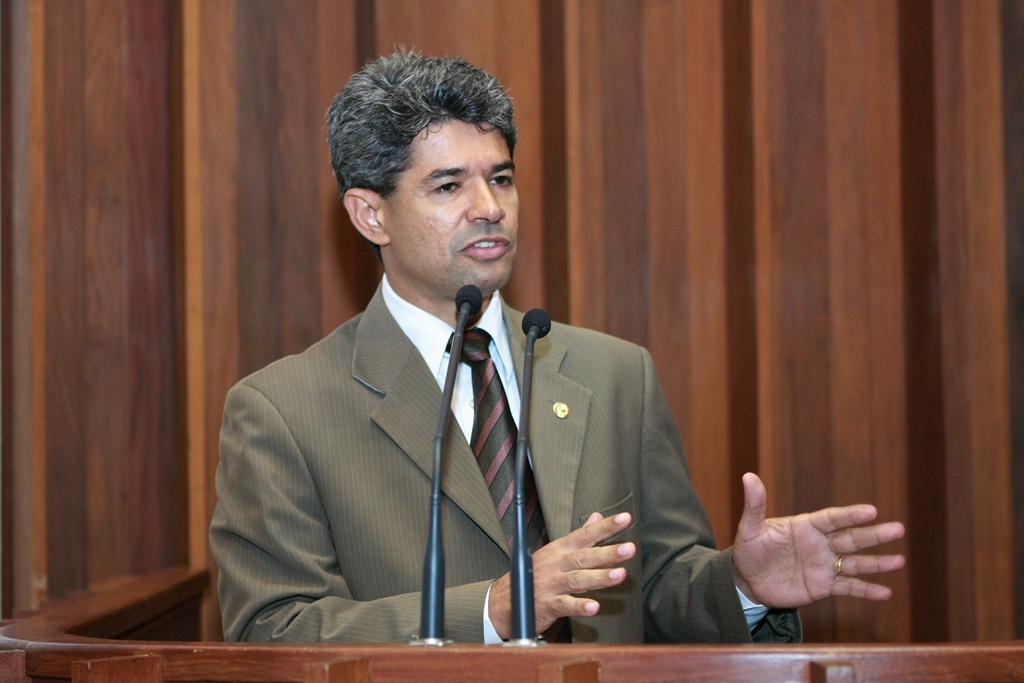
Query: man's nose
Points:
[486, 206]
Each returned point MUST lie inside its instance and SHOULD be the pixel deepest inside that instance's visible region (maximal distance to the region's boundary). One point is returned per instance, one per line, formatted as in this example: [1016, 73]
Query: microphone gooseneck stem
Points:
[432, 603]
[524, 628]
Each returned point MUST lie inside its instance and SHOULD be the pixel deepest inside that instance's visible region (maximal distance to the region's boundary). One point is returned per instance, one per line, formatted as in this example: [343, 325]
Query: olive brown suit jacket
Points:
[323, 490]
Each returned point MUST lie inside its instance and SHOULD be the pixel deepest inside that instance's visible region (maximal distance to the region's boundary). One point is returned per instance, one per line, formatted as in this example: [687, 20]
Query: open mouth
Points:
[487, 249]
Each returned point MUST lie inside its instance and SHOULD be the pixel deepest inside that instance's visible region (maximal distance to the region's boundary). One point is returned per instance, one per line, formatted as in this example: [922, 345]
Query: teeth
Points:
[485, 245]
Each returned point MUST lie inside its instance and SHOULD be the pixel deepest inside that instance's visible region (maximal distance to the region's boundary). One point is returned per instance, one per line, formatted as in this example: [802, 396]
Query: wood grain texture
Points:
[1012, 44]
[140, 669]
[971, 229]
[923, 379]
[95, 307]
[83, 628]
[6, 300]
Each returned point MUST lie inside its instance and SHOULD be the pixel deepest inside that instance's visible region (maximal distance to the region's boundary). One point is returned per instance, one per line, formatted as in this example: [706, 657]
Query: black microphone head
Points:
[538, 318]
[469, 294]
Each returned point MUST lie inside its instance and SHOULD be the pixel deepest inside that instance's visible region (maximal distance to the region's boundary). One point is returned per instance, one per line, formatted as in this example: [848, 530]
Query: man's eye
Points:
[447, 187]
[502, 180]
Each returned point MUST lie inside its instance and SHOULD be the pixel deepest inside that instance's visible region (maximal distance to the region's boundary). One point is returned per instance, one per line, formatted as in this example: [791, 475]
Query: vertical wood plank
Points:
[64, 271]
[865, 284]
[210, 250]
[584, 164]
[738, 161]
[157, 534]
[927, 504]
[971, 232]
[1012, 44]
[6, 335]
[104, 248]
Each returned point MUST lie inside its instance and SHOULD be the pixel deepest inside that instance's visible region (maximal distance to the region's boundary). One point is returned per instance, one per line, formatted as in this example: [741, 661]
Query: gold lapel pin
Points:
[561, 410]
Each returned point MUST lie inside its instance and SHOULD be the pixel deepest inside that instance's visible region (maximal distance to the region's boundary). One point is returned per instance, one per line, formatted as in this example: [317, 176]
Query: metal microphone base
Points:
[430, 642]
[525, 642]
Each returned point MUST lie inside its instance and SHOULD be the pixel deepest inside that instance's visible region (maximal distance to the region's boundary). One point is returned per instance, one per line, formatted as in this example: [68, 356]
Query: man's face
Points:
[453, 218]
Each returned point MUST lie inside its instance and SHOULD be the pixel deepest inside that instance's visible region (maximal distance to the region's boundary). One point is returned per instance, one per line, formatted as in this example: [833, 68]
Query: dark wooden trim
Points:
[86, 627]
[553, 142]
[1013, 129]
[6, 300]
[738, 154]
[926, 460]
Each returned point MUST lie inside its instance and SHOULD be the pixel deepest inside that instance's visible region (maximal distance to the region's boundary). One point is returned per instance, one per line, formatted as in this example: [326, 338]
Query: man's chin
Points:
[489, 282]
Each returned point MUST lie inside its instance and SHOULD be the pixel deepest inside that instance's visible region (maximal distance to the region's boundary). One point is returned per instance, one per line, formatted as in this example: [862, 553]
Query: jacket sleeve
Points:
[689, 592]
[279, 578]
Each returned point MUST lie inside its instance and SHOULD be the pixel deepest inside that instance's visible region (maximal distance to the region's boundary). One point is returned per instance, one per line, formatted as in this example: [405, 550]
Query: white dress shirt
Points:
[429, 334]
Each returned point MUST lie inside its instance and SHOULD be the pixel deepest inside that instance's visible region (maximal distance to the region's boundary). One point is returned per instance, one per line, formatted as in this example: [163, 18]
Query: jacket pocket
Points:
[624, 505]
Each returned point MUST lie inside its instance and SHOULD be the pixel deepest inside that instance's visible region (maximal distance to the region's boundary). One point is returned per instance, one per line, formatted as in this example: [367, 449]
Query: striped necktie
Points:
[494, 441]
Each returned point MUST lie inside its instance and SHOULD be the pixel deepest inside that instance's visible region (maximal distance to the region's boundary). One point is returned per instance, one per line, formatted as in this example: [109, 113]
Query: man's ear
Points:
[363, 206]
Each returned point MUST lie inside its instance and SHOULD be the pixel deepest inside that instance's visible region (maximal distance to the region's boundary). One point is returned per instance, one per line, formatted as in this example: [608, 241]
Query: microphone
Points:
[467, 303]
[536, 324]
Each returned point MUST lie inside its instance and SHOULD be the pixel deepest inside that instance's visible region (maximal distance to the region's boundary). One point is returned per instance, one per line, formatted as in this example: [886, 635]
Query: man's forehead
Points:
[457, 145]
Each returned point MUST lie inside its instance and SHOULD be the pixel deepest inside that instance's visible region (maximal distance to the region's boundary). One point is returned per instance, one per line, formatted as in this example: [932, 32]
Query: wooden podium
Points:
[143, 630]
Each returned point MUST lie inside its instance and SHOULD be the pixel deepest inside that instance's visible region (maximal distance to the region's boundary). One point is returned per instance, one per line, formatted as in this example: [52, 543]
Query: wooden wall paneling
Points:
[926, 463]
[6, 299]
[553, 243]
[157, 534]
[792, 228]
[210, 179]
[972, 293]
[1012, 44]
[66, 333]
[685, 185]
[703, 271]
[102, 228]
[607, 225]
[278, 260]
[92, 314]
[27, 377]
[738, 160]
[621, 287]
[865, 286]
[585, 160]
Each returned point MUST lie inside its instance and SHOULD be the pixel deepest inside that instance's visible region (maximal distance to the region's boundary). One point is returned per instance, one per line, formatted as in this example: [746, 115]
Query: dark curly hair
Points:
[388, 102]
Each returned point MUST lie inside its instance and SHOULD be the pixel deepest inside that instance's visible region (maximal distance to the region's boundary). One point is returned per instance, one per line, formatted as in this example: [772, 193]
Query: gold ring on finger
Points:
[837, 566]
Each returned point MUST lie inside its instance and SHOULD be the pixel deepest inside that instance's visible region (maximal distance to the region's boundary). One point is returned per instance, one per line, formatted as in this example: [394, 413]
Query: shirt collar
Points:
[429, 334]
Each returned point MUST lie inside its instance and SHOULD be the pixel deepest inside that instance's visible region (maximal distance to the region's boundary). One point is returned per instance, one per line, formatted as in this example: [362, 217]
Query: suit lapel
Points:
[556, 444]
[388, 363]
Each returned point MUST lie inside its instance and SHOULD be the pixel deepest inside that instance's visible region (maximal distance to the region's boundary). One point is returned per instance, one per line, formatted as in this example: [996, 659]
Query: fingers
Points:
[831, 519]
[856, 565]
[851, 540]
[586, 580]
[855, 588]
[755, 505]
[576, 564]
[569, 606]
[594, 558]
[595, 530]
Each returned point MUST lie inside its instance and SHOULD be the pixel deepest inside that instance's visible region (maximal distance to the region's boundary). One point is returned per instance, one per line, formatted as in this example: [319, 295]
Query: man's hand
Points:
[572, 564]
[794, 561]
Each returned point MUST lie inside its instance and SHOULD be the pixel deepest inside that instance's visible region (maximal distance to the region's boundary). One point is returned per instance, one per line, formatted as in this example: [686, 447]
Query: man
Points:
[324, 478]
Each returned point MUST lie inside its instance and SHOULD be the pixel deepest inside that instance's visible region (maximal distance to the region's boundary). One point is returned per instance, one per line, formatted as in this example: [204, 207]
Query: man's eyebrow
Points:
[456, 171]
[452, 172]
